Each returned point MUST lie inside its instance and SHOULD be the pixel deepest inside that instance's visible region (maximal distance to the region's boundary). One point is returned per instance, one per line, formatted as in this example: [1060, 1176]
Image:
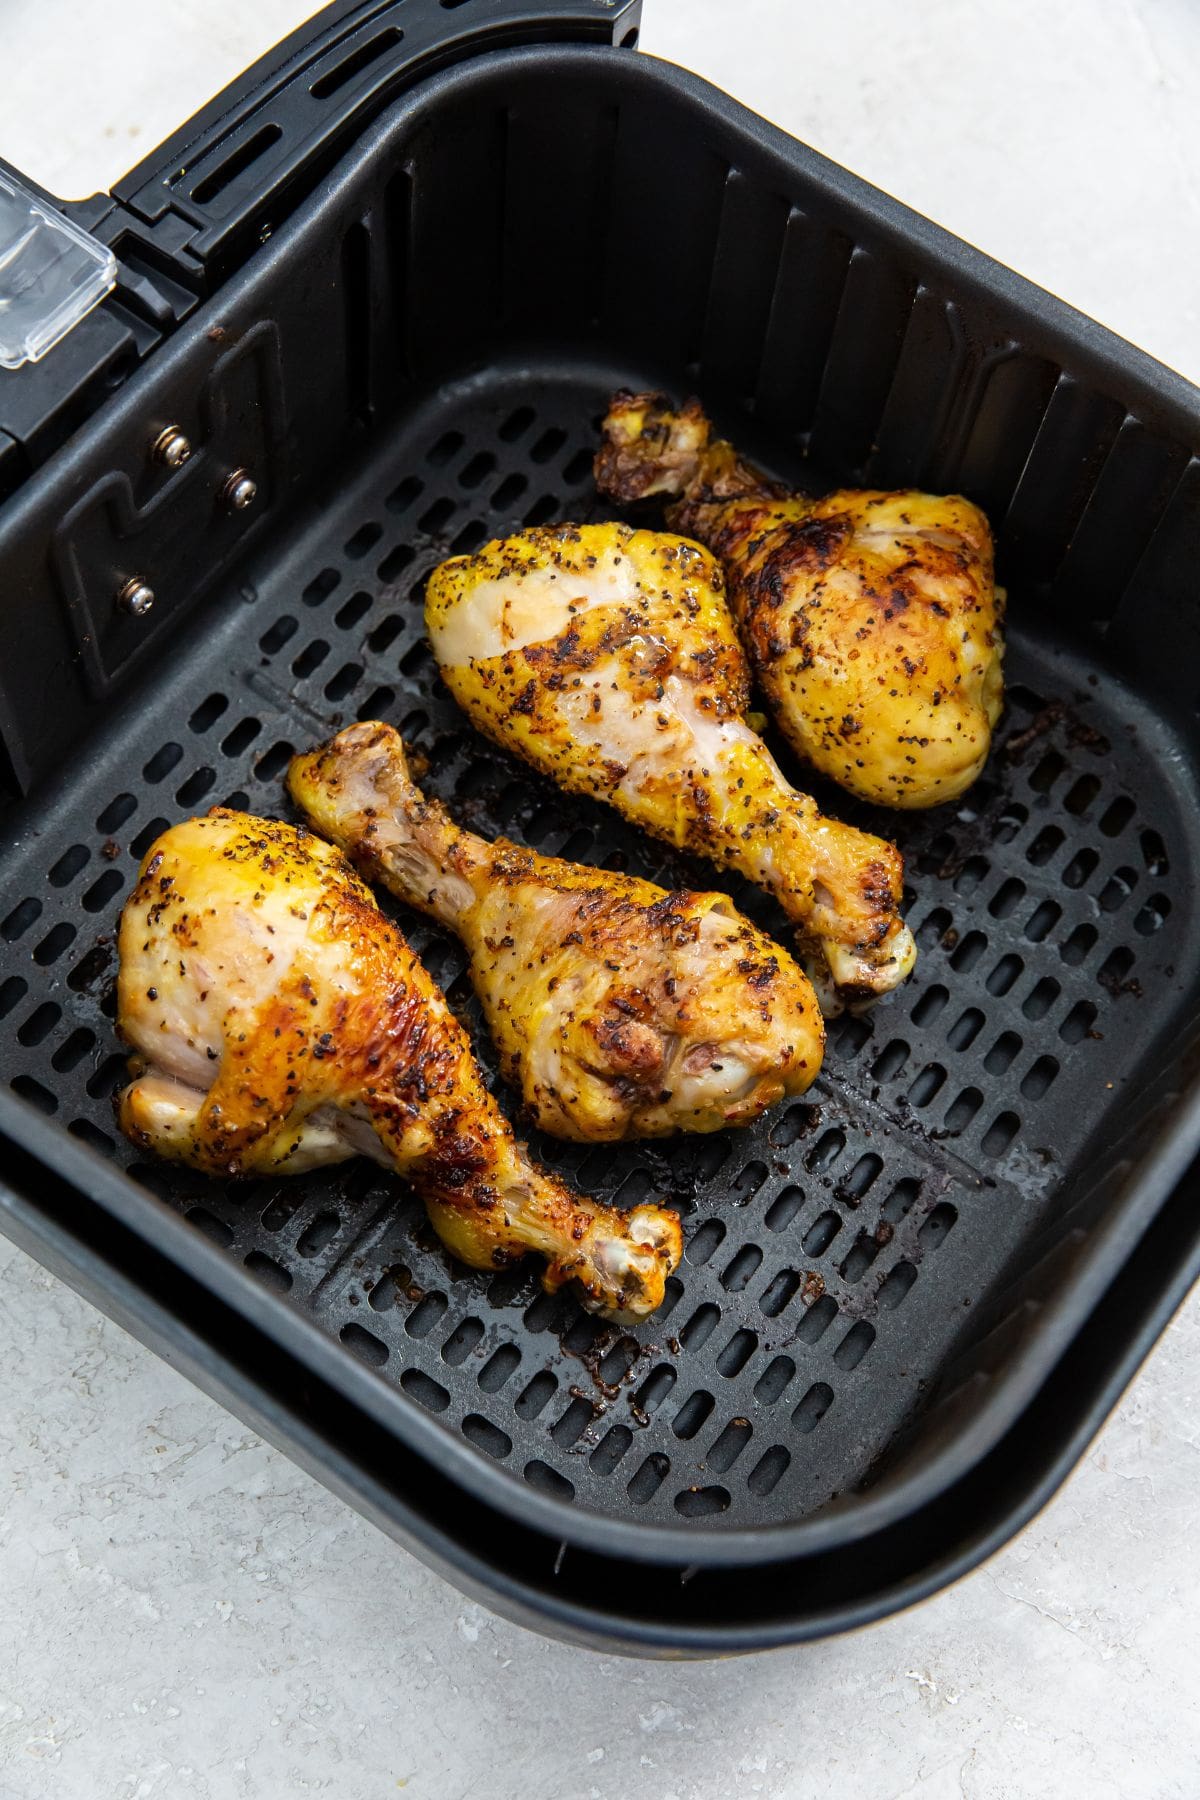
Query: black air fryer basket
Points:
[391, 277]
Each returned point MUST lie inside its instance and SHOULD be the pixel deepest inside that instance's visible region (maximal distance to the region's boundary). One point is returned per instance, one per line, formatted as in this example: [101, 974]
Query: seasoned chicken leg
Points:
[871, 618]
[619, 1010]
[280, 1022]
[607, 657]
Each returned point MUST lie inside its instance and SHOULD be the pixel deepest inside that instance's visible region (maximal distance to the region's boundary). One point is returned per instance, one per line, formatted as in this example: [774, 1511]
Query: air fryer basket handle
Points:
[224, 180]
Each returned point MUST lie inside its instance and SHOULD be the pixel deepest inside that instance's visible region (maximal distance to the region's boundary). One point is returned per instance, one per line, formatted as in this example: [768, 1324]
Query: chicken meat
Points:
[279, 1022]
[871, 618]
[607, 658]
[619, 1010]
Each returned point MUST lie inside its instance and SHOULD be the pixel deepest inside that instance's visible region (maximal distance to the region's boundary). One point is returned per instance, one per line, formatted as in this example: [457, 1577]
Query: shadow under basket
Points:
[906, 1301]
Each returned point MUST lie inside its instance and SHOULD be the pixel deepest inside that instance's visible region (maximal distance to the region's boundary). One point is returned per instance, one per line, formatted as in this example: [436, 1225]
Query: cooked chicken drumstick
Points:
[871, 618]
[607, 657]
[619, 1010]
[280, 1022]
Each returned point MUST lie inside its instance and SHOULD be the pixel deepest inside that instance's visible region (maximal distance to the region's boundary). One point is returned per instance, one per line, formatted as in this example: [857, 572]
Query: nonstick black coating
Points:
[834, 1251]
[414, 358]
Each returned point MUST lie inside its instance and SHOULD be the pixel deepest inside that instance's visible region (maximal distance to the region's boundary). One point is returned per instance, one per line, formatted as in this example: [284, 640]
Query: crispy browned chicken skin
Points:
[280, 1022]
[607, 657]
[871, 618]
[620, 1010]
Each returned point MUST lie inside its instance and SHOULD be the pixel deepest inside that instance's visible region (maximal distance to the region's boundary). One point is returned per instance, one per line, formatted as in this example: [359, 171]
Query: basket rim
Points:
[927, 1473]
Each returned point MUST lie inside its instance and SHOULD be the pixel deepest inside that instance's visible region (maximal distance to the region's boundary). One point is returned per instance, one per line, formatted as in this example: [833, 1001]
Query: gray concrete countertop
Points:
[185, 1616]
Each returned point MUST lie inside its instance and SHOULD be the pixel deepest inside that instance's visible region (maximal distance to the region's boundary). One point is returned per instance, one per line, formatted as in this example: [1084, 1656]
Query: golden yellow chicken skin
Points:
[619, 1010]
[607, 658]
[872, 618]
[280, 1022]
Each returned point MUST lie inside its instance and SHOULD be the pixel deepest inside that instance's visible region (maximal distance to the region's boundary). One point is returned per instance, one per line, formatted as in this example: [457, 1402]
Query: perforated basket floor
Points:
[832, 1249]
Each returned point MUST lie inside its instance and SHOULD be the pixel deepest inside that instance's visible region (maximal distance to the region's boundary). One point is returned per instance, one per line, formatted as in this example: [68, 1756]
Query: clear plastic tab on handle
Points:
[51, 273]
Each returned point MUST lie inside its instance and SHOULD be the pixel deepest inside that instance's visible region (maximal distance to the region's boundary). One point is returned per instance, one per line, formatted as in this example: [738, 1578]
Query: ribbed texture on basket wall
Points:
[417, 365]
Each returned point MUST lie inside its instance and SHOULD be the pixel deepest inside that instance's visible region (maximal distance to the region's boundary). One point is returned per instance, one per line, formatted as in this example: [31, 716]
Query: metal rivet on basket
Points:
[171, 447]
[239, 491]
[135, 597]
